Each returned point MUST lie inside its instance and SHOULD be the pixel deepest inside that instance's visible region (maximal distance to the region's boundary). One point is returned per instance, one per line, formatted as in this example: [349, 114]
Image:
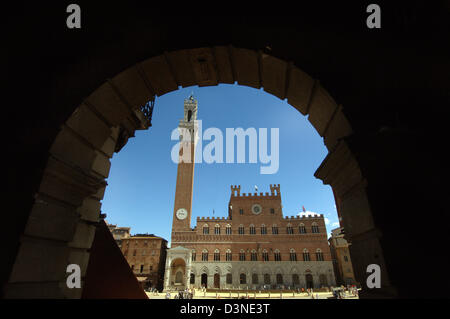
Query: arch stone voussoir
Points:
[69, 148]
[181, 67]
[204, 66]
[321, 110]
[246, 67]
[299, 90]
[223, 64]
[273, 75]
[159, 75]
[108, 104]
[338, 127]
[89, 126]
[132, 87]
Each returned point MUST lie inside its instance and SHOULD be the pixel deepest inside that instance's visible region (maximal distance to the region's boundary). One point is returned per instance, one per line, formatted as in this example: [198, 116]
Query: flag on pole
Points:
[304, 210]
[213, 211]
[256, 188]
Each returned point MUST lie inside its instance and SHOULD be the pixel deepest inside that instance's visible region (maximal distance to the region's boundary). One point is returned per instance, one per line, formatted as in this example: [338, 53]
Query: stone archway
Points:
[204, 280]
[73, 181]
[216, 280]
[177, 277]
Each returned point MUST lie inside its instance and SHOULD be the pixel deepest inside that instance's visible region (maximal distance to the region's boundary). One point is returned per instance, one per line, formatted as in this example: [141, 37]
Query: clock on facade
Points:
[181, 213]
[256, 209]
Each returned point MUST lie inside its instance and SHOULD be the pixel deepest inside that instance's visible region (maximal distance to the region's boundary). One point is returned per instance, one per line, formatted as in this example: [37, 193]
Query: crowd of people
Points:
[182, 294]
[338, 292]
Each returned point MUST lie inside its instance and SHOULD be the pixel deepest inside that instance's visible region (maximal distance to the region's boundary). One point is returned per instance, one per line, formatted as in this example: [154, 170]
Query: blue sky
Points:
[142, 179]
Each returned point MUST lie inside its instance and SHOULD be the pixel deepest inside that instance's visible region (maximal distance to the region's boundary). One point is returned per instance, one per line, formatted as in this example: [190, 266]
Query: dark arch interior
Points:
[393, 83]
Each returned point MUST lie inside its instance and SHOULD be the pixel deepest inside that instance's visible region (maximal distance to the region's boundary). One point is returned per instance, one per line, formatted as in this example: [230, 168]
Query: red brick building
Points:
[146, 255]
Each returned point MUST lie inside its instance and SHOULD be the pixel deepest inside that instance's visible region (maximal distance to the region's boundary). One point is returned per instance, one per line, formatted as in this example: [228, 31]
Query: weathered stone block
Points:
[107, 103]
[90, 209]
[273, 75]
[181, 66]
[299, 90]
[108, 147]
[246, 67]
[89, 126]
[321, 109]
[159, 75]
[203, 65]
[99, 195]
[51, 221]
[101, 164]
[339, 127]
[57, 188]
[83, 237]
[222, 57]
[72, 150]
[132, 87]
[40, 260]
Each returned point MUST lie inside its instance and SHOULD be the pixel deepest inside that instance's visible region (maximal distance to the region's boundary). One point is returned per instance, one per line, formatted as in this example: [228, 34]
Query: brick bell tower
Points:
[188, 129]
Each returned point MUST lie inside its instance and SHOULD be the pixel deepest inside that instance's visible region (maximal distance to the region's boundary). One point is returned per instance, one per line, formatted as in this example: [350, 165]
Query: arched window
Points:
[228, 230]
[279, 279]
[217, 229]
[255, 279]
[189, 115]
[254, 255]
[242, 279]
[192, 281]
[216, 255]
[289, 229]
[275, 229]
[315, 228]
[319, 255]
[205, 229]
[242, 255]
[295, 279]
[252, 229]
[229, 279]
[263, 229]
[265, 255]
[204, 255]
[228, 255]
[309, 281]
[266, 279]
[302, 228]
[292, 255]
[277, 255]
[194, 255]
[306, 256]
[241, 229]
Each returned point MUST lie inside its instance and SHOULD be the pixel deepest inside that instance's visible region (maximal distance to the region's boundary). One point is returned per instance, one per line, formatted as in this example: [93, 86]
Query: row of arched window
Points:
[253, 255]
[263, 229]
[267, 280]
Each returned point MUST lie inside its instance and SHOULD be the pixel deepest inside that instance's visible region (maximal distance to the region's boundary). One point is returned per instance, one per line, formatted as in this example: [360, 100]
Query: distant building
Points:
[146, 255]
[119, 233]
[342, 262]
